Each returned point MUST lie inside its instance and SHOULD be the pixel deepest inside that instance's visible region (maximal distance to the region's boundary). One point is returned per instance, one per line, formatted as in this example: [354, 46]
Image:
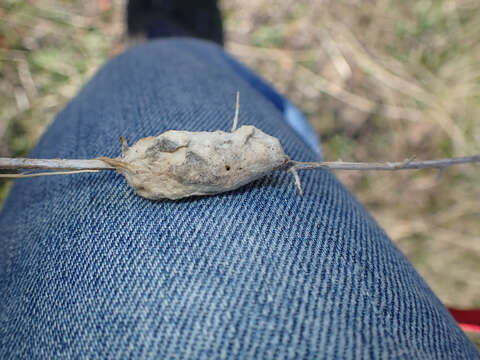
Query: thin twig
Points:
[45, 173]
[73, 165]
[53, 164]
[403, 165]
[237, 107]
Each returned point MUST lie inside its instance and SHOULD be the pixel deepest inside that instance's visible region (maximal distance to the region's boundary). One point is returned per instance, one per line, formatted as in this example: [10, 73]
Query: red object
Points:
[468, 320]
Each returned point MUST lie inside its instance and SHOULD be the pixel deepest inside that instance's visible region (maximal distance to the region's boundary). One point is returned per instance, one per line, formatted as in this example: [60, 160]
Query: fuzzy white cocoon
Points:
[178, 164]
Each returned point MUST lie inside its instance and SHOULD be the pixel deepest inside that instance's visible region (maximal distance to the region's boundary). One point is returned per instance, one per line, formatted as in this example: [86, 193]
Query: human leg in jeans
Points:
[90, 270]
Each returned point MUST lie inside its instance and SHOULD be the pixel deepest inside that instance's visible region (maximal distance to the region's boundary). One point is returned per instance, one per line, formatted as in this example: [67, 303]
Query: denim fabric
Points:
[90, 270]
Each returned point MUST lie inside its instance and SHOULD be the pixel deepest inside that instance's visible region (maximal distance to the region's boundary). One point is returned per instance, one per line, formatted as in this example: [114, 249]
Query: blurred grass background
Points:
[379, 80]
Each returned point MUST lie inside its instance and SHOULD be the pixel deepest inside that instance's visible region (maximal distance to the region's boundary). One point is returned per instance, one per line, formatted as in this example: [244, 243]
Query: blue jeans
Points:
[90, 270]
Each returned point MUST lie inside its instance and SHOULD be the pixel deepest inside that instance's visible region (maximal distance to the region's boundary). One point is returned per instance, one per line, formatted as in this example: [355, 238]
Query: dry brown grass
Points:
[379, 80]
[385, 80]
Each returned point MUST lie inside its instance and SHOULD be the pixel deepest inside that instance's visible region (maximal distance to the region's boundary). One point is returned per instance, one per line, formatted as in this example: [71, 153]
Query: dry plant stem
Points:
[237, 107]
[53, 164]
[70, 166]
[68, 172]
[387, 166]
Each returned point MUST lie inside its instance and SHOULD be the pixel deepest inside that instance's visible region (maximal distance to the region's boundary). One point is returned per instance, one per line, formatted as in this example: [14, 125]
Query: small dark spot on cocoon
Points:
[227, 167]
